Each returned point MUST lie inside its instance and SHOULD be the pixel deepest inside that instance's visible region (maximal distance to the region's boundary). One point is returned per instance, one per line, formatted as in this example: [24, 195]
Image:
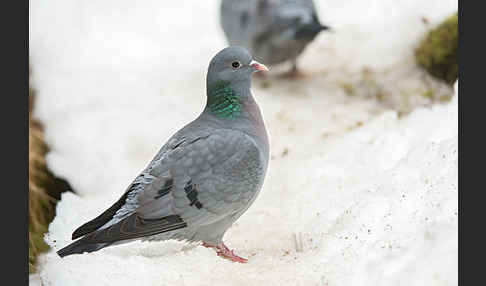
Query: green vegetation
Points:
[40, 203]
[437, 53]
[44, 189]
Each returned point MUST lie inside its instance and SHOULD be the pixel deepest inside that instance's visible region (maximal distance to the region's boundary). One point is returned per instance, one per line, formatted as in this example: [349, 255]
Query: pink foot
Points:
[223, 251]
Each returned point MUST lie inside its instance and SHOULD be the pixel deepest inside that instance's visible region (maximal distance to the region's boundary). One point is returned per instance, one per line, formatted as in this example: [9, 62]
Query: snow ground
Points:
[373, 197]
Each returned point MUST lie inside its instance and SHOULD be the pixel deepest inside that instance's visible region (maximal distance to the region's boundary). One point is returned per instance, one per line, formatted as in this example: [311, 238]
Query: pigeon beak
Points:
[258, 66]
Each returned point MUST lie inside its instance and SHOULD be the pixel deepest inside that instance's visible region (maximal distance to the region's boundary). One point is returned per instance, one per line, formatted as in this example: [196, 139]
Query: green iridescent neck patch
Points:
[224, 101]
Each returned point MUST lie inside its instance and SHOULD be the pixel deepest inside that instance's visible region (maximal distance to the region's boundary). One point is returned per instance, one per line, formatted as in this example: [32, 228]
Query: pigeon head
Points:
[233, 65]
[229, 80]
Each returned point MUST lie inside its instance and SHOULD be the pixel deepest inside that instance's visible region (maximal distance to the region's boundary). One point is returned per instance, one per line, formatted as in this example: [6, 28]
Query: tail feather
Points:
[310, 30]
[80, 246]
[130, 228]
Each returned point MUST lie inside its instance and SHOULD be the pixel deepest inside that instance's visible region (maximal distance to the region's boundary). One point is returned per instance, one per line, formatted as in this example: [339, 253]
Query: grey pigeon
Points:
[203, 179]
[274, 31]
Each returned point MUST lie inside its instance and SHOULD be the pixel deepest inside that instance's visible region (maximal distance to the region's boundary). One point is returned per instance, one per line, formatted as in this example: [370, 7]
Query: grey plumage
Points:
[274, 31]
[203, 179]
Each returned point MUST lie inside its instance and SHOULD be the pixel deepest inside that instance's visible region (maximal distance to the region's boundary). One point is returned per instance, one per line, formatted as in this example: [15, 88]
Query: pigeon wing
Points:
[188, 186]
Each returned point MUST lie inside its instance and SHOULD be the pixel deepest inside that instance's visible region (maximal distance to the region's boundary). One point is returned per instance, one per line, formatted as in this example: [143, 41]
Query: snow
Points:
[355, 194]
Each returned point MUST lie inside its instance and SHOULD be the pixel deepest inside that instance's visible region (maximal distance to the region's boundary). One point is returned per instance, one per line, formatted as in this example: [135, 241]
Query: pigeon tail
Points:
[80, 246]
[309, 31]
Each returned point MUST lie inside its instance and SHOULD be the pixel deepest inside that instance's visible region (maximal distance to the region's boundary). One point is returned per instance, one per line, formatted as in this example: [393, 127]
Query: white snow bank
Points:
[373, 33]
[373, 198]
[375, 206]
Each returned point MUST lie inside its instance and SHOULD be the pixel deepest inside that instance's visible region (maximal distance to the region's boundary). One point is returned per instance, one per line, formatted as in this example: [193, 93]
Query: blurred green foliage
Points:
[437, 52]
[41, 209]
[44, 189]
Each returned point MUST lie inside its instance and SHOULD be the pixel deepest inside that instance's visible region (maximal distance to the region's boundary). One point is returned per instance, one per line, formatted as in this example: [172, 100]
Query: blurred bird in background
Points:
[274, 31]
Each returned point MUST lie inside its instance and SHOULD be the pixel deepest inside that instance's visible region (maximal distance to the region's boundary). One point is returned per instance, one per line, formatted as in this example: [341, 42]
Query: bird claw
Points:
[232, 256]
[223, 251]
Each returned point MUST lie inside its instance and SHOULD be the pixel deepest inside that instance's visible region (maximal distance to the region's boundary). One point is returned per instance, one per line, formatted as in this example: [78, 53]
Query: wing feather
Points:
[183, 186]
[135, 227]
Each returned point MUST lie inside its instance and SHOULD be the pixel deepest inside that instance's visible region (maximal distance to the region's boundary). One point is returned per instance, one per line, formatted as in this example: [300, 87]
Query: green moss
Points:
[437, 53]
[41, 205]
[44, 189]
[265, 84]
[40, 213]
[429, 93]
[348, 87]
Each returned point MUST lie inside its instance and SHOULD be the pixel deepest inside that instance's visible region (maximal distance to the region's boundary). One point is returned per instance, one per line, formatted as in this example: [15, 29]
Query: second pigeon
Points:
[274, 31]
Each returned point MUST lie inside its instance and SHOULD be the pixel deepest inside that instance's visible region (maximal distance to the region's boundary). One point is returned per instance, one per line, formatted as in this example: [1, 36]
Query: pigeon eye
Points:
[235, 65]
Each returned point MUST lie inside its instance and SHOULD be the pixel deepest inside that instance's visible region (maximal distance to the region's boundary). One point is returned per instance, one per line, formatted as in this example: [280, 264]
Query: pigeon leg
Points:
[223, 251]
[294, 69]
[294, 72]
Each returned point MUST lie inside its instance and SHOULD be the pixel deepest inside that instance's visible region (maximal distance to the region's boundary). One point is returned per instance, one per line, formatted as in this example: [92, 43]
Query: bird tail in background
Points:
[310, 30]
[80, 246]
